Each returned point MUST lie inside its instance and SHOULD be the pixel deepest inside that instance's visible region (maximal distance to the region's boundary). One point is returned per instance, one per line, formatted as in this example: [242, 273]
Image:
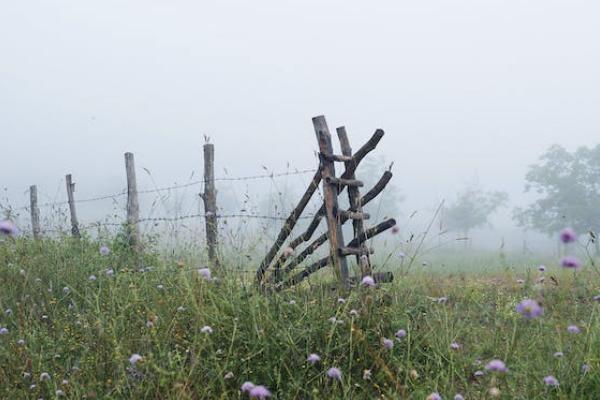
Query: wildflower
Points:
[92, 278]
[110, 272]
[455, 346]
[104, 251]
[570, 262]
[288, 252]
[496, 366]
[367, 375]
[458, 396]
[45, 376]
[21, 342]
[206, 329]
[59, 393]
[434, 396]
[8, 228]
[550, 381]
[160, 287]
[247, 386]
[568, 235]
[228, 375]
[8, 312]
[388, 344]
[205, 273]
[133, 360]
[400, 334]
[585, 368]
[529, 309]
[65, 382]
[341, 300]
[3, 331]
[259, 392]
[494, 392]
[66, 290]
[149, 324]
[558, 354]
[368, 281]
[573, 329]
[353, 313]
[313, 358]
[542, 268]
[334, 373]
[597, 298]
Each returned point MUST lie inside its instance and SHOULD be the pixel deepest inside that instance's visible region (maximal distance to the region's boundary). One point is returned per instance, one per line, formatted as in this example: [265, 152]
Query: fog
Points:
[466, 91]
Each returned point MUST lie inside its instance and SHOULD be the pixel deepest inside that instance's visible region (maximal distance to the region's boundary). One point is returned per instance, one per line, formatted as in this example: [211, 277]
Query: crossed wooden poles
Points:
[285, 262]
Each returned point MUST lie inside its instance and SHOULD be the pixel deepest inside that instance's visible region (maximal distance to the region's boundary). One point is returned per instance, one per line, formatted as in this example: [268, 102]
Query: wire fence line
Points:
[123, 192]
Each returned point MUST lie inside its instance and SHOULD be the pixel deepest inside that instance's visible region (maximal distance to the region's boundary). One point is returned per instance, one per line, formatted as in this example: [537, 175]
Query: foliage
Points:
[568, 186]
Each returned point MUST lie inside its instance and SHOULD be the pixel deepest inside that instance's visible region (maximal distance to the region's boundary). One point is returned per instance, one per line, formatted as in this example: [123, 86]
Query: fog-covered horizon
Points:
[466, 91]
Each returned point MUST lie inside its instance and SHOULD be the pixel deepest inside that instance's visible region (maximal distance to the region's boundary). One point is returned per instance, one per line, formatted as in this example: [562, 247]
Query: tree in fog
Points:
[472, 209]
[568, 189]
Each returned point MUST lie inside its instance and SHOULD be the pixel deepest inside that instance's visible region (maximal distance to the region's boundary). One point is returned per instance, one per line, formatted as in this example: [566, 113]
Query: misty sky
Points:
[465, 90]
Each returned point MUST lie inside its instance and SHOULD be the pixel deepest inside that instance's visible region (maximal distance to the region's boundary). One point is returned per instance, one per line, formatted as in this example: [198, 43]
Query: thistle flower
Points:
[205, 273]
[570, 262]
[496, 366]
[529, 309]
[550, 381]
[596, 298]
[434, 396]
[8, 228]
[341, 300]
[133, 360]
[3, 331]
[568, 235]
[104, 251]
[313, 358]
[368, 281]
[206, 329]
[45, 376]
[66, 290]
[542, 268]
[259, 392]
[455, 346]
[247, 386]
[353, 313]
[334, 373]
[573, 329]
[21, 342]
[388, 344]
[400, 334]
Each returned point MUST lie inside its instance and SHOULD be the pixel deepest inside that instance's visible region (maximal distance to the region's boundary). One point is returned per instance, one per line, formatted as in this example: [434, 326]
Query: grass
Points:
[85, 335]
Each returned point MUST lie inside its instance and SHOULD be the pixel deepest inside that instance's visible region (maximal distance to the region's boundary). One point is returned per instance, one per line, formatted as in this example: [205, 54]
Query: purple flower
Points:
[570, 262]
[313, 358]
[7, 227]
[496, 366]
[597, 298]
[479, 374]
[434, 396]
[573, 329]
[568, 235]
[529, 309]
[388, 343]
[104, 251]
[542, 268]
[455, 346]
[334, 373]
[259, 392]
[585, 368]
[205, 273]
[550, 381]
[3, 331]
[368, 281]
[458, 396]
[400, 334]
[247, 386]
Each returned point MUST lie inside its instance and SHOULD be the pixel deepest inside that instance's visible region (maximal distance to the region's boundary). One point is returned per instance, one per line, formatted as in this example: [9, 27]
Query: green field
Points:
[82, 332]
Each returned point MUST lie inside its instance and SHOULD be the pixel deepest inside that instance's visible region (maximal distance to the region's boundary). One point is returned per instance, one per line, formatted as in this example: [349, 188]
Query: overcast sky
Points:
[465, 90]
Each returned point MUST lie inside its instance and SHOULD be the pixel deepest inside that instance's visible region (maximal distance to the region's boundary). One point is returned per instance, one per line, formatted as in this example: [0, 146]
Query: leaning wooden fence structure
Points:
[283, 260]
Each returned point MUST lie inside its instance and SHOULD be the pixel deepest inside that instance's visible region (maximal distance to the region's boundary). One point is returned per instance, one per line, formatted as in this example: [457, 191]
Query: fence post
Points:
[74, 223]
[209, 198]
[330, 194]
[35, 213]
[133, 205]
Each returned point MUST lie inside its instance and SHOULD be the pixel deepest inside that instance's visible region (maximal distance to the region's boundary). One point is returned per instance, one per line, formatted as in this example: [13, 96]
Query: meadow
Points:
[83, 321]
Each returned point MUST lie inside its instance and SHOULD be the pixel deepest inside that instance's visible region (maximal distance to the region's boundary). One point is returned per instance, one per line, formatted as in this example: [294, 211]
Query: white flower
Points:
[206, 329]
[92, 278]
[45, 376]
[133, 360]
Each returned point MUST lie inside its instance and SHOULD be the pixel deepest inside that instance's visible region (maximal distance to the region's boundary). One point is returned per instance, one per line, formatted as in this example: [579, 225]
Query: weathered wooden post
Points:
[355, 204]
[35, 213]
[133, 205]
[209, 198]
[330, 194]
[74, 223]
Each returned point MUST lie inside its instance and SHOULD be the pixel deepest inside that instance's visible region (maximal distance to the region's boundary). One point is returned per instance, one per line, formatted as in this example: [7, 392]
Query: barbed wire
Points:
[173, 187]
